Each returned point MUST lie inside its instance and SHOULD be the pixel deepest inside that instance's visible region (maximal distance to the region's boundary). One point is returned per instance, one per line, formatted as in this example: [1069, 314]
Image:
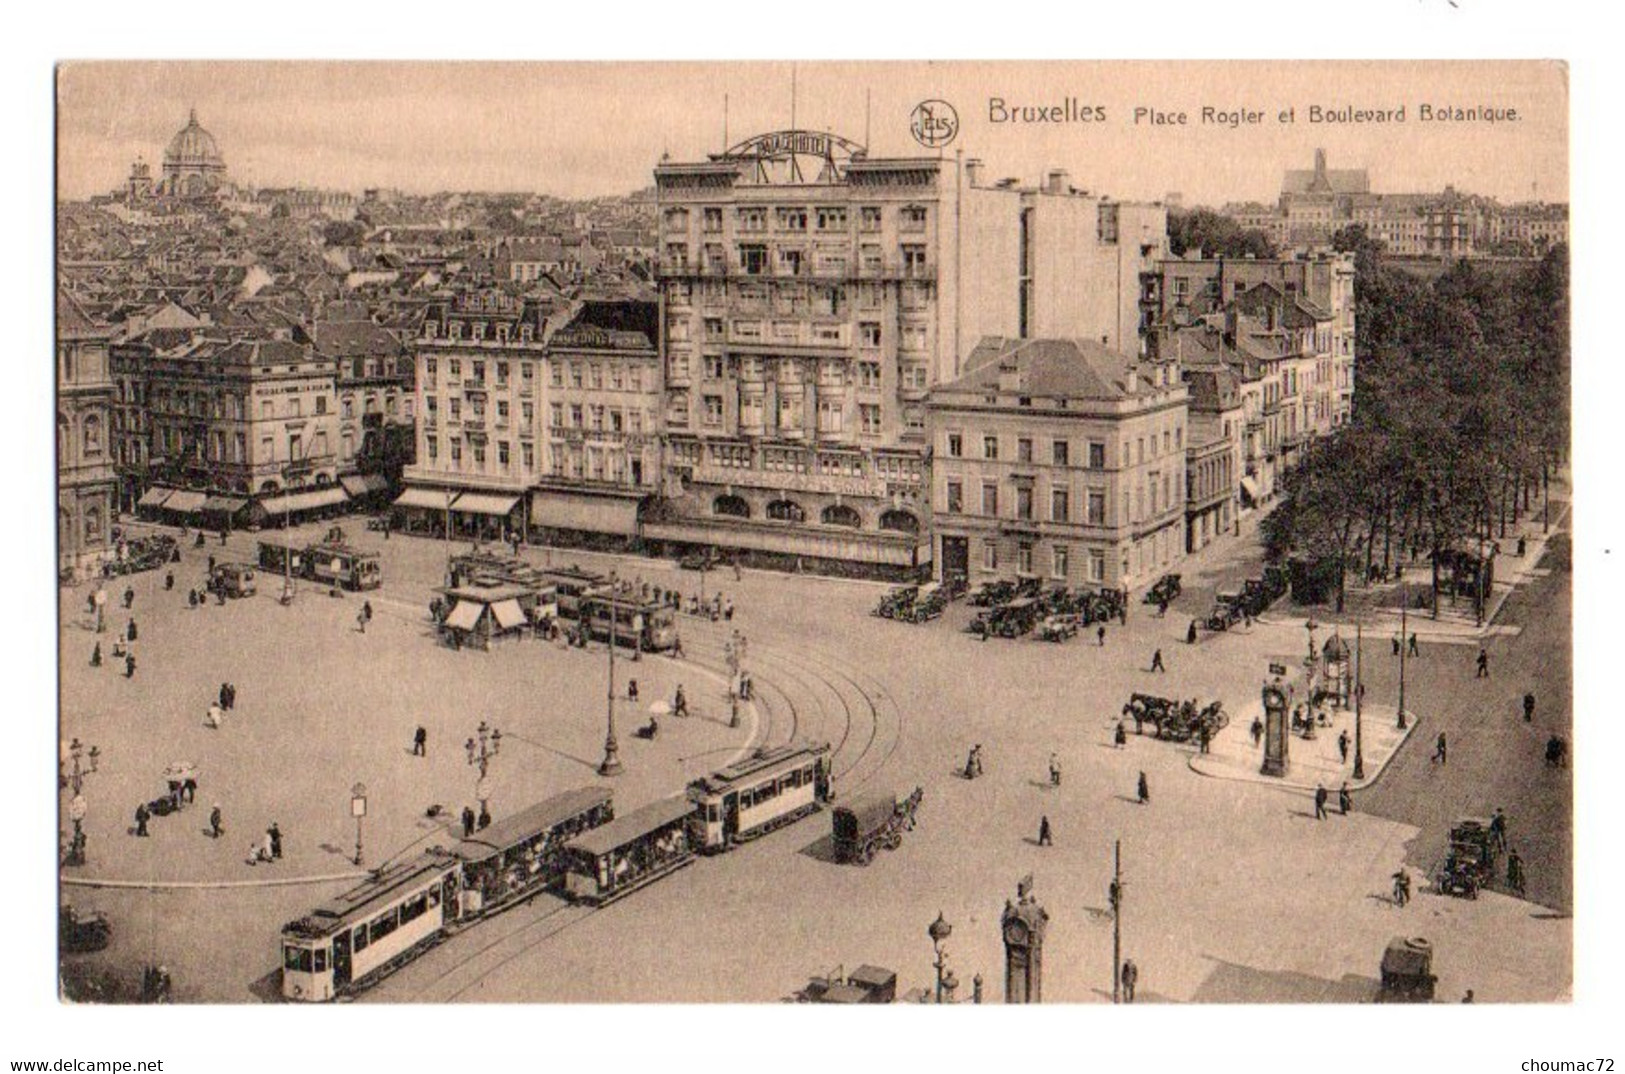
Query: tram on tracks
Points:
[629, 852]
[771, 788]
[637, 623]
[573, 584]
[524, 853]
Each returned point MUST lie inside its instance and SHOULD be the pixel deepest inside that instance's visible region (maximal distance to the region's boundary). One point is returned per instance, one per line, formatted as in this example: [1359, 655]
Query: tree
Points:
[1215, 235]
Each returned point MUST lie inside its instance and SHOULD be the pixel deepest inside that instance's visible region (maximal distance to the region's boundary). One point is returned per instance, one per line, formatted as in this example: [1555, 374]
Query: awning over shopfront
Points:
[464, 614]
[155, 496]
[225, 504]
[421, 497]
[185, 501]
[1249, 489]
[590, 514]
[304, 501]
[485, 503]
[363, 484]
[509, 614]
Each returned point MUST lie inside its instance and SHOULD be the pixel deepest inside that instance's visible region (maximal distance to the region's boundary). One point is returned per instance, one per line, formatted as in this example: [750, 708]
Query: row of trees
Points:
[1461, 413]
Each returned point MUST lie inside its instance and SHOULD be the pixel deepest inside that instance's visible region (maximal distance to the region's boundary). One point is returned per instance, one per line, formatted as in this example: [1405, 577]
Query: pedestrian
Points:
[225, 696]
[1100, 636]
[361, 621]
[1246, 619]
[275, 835]
[1190, 635]
[131, 632]
[1054, 771]
[1204, 738]
[1344, 799]
[141, 817]
[1411, 647]
[1440, 750]
[728, 611]
[485, 817]
[1257, 730]
[214, 717]
[679, 705]
[188, 791]
[1044, 838]
[222, 538]
[231, 696]
[191, 598]
[96, 656]
[366, 610]
[1145, 790]
[1523, 546]
[1528, 708]
[1483, 664]
[976, 756]
[1343, 746]
[1120, 736]
[216, 829]
[129, 597]
[169, 581]
[1515, 872]
[211, 570]
[677, 647]
[129, 665]
[1130, 977]
[468, 822]
[1402, 887]
[1498, 830]
[1320, 802]
[1396, 644]
[632, 690]
[1156, 662]
[420, 742]
[1468, 998]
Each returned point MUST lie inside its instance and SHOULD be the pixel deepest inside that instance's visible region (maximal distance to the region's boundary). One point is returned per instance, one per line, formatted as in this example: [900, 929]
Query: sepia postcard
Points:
[827, 532]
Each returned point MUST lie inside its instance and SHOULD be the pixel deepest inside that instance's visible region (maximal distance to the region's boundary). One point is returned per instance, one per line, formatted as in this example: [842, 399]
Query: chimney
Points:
[1131, 381]
[973, 171]
[1055, 182]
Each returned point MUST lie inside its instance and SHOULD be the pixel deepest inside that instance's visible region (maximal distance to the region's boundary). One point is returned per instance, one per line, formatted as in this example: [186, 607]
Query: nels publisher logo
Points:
[934, 123]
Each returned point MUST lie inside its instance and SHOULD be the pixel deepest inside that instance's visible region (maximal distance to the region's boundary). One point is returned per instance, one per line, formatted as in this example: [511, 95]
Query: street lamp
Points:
[77, 806]
[481, 749]
[358, 809]
[939, 931]
[611, 764]
[1359, 696]
[1404, 646]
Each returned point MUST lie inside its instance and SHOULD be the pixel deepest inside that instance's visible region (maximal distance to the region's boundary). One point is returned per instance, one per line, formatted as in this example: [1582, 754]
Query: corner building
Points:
[811, 297]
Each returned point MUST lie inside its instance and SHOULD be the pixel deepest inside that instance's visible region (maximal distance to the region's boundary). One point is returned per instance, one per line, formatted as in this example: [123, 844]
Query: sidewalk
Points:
[1310, 762]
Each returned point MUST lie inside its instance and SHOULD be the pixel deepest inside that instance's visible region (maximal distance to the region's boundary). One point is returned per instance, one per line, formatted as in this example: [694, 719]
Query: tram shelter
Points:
[476, 615]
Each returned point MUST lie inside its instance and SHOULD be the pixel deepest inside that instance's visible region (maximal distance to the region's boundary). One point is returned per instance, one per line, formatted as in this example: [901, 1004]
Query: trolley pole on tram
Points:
[611, 764]
[1115, 897]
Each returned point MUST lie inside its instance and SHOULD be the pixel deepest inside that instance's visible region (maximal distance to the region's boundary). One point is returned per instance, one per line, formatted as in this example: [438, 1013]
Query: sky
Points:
[585, 129]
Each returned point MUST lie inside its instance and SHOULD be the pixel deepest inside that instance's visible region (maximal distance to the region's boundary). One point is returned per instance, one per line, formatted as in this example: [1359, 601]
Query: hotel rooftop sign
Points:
[778, 155]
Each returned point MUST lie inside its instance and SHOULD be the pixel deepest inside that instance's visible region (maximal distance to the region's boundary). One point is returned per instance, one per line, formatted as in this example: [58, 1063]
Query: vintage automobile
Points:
[234, 579]
[704, 559]
[1058, 627]
[82, 932]
[931, 602]
[1227, 610]
[1164, 590]
[1407, 971]
[897, 603]
[1470, 862]
[987, 594]
[143, 554]
[871, 823]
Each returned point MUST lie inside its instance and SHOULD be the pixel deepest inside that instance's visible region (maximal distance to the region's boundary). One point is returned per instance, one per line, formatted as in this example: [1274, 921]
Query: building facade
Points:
[86, 491]
[1062, 460]
[812, 296]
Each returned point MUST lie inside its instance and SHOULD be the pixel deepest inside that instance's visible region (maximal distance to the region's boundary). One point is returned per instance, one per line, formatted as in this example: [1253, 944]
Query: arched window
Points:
[93, 525]
[900, 522]
[842, 515]
[62, 441]
[733, 506]
[786, 511]
[268, 486]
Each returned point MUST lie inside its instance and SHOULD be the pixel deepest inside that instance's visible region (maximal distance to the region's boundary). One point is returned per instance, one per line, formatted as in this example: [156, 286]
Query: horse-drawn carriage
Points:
[1174, 720]
[872, 823]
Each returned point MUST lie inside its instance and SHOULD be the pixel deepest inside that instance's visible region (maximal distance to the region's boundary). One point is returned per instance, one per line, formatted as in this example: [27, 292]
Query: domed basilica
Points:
[193, 166]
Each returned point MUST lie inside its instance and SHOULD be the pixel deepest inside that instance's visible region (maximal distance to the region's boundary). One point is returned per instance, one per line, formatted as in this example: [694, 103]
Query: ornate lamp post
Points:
[481, 749]
[77, 806]
[939, 931]
[358, 810]
[611, 764]
[1359, 697]
[1404, 646]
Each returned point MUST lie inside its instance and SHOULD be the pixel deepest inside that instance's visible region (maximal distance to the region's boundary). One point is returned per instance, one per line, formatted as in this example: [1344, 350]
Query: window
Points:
[502, 412]
[956, 497]
[912, 218]
[596, 372]
[1059, 453]
[753, 260]
[557, 375]
[829, 416]
[868, 374]
[831, 219]
[502, 374]
[347, 407]
[869, 218]
[93, 434]
[1060, 504]
[913, 338]
[990, 555]
[527, 415]
[990, 498]
[914, 377]
[791, 219]
[711, 220]
[456, 452]
[713, 366]
[296, 407]
[713, 410]
[1058, 561]
[869, 333]
[527, 452]
[956, 446]
[1024, 558]
[869, 417]
[578, 419]
[678, 414]
[990, 447]
[502, 454]
[1024, 502]
[1097, 566]
[1097, 508]
[1024, 449]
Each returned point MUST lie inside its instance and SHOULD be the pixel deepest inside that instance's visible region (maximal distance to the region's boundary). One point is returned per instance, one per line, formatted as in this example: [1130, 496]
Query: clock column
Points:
[1024, 923]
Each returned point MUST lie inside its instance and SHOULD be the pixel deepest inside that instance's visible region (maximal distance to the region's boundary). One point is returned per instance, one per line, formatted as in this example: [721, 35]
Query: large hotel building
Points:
[812, 296]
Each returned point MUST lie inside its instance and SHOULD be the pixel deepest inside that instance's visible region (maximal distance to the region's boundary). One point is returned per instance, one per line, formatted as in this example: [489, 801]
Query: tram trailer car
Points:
[573, 584]
[525, 853]
[772, 787]
[629, 852]
[370, 929]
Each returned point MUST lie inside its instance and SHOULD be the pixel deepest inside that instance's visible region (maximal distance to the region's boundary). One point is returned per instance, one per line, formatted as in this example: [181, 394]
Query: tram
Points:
[627, 853]
[341, 565]
[772, 787]
[524, 853]
[573, 584]
[371, 928]
[658, 626]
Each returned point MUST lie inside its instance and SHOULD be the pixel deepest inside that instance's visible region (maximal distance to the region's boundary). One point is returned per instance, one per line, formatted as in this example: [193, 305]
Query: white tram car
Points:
[770, 788]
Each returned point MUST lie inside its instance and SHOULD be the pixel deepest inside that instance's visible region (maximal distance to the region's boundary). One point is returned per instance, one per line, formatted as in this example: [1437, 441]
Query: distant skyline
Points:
[580, 130]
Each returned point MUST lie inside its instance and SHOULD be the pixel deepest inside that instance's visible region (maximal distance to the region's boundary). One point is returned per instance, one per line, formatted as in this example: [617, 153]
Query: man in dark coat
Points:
[141, 818]
[276, 840]
[1320, 802]
[420, 742]
[216, 829]
[468, 822]
[1044, 837]
[1345, 801]
[1144, 790]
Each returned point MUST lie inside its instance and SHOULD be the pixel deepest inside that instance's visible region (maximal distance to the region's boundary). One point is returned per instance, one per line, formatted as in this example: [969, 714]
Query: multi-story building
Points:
[1318, 201]
[228, 427]
[479, 371]
[374, 371]
[86, 485]
[601, 421]
[1213, 454]
[811, 298]
[1060, 459]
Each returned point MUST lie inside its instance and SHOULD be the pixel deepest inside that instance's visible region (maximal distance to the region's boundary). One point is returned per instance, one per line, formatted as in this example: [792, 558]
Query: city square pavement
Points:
[1234, 891]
